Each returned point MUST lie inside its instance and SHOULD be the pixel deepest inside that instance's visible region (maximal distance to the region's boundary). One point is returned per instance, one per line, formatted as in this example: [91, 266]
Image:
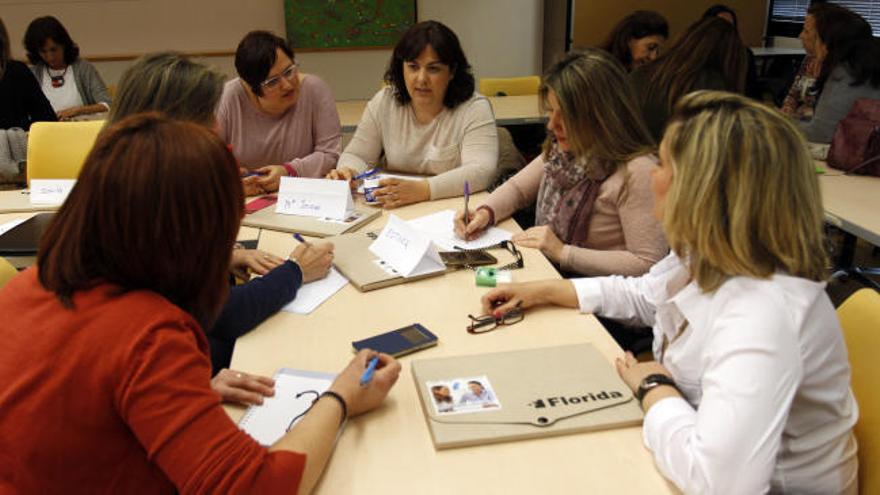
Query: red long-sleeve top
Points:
[114, 396]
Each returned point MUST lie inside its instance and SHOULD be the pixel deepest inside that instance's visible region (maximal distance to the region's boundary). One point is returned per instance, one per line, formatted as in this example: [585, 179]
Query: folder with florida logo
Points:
[505, 396]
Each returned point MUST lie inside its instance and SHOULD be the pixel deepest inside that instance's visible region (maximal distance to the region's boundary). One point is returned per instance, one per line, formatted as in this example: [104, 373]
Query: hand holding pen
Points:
[469, 225]
[363, 397]
[314, 259]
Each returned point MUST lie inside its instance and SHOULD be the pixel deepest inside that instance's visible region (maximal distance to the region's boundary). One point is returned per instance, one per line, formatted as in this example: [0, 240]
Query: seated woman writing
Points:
[184, 90]
[427, 121]
[72, 85]
[592, 183]
[750, 392]
[104, 360]
[279, 121]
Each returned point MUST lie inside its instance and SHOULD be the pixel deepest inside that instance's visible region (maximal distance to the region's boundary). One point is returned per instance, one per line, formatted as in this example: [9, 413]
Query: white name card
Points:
[406, 249]
[50, 192]
[314, 198]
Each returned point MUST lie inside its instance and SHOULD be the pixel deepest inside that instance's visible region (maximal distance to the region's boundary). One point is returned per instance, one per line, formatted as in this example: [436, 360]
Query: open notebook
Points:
[294, 392]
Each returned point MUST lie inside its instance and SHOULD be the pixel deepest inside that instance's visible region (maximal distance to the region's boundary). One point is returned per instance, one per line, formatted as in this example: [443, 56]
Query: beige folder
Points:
[353, 258]
[311, 226]
[539, 392]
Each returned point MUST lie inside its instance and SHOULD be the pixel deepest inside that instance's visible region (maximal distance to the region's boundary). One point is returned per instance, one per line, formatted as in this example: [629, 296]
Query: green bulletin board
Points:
[347, 24]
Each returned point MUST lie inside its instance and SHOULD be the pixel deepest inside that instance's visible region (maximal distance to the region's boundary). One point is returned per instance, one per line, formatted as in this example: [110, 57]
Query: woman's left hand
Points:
[400, 192]
[242, 388]
[543, 238]
[633, 372]
[260, 262]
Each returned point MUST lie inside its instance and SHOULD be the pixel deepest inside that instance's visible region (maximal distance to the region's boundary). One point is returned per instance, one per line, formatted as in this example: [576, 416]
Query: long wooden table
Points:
[509, 110]
[390, 450]
[852, 203]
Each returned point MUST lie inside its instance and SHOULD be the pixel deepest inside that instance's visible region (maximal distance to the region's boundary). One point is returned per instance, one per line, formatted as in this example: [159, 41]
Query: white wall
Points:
[501, 38]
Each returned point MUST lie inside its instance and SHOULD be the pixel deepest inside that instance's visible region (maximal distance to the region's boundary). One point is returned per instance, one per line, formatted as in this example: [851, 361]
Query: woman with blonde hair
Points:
[592, 183]
[750, 391]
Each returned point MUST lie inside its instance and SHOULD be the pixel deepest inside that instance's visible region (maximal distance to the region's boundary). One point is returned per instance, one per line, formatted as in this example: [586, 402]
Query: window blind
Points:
[795, 10]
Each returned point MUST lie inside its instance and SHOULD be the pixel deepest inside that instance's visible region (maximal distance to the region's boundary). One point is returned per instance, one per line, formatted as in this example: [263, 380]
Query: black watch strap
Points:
[651, 382]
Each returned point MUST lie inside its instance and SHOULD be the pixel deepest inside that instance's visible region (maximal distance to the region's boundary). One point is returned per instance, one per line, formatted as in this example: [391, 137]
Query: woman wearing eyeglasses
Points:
[428, 120]
[750, 390]
[279, 121]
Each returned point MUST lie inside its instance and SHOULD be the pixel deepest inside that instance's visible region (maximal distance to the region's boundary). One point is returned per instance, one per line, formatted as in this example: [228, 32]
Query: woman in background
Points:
[752, 89]
[841, 66]
[750, 392]
[21, 101]
[104, 361]
[279, 121]
[592, 182]
[184, 90]
[709, 55]
[428, 120]
[71, 84]
[637, 39]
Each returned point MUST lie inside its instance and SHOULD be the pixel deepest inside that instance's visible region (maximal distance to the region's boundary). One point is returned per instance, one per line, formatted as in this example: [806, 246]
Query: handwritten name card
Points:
[314, 198]
[50, 192]
[407, 250]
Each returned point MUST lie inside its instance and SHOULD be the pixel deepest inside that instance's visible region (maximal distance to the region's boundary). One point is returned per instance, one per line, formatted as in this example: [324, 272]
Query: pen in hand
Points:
[368, 373]
[467, 194]
[301, 239]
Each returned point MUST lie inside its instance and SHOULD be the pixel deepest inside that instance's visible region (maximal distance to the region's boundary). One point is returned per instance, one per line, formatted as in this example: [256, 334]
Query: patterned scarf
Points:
[566, 199]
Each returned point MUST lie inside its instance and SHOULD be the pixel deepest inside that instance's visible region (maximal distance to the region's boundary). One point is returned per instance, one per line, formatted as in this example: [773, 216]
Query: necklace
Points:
[58, 81]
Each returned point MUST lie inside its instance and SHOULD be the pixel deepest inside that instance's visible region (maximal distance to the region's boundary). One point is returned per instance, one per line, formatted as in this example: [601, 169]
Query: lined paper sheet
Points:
[440, 227]
[268, 422]
[312, 294]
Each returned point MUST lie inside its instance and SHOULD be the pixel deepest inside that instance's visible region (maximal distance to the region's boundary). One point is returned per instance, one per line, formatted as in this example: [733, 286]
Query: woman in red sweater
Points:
[105, 368]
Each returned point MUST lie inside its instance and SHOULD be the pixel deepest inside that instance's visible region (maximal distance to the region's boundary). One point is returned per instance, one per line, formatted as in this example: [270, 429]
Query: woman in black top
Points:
[21, 100]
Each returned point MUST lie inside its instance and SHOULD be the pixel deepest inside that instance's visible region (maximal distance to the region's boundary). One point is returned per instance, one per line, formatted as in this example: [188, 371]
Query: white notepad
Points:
[294, 392]
[313, 294]
[440, 227]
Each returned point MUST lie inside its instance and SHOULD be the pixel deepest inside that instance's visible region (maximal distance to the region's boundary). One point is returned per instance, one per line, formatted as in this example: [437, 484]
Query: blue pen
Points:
[250, 174]
[300, 239]
[365, 173]
[368, 373]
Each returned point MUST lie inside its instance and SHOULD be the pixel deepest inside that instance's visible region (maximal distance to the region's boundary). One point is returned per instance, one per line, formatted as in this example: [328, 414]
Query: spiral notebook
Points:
[294, 392]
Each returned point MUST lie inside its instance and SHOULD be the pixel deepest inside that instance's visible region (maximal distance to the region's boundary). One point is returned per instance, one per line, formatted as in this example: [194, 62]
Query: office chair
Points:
[511, 86]
[860, 318]
[7, 271]
[57, 150]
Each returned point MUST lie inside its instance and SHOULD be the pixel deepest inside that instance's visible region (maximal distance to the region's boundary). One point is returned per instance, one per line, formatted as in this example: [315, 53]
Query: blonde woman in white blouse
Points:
[750, 390]
[427, 121]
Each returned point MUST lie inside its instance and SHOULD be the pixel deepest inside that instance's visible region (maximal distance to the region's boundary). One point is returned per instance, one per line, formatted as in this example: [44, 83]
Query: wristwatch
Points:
[651, 382]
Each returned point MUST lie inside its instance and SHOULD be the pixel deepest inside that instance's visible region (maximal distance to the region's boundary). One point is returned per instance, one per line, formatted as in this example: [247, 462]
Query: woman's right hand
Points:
[314, 259]
[361, 399]
[528, 294]
[479, 220]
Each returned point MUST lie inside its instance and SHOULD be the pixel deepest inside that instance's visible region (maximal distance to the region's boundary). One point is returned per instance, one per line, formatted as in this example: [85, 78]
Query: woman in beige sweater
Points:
[592, 183]
[427, 121]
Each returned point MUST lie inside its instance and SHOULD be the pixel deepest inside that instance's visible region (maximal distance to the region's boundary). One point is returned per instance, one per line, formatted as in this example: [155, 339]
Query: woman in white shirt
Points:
[428, 120]
[750, 391]
[71, 84]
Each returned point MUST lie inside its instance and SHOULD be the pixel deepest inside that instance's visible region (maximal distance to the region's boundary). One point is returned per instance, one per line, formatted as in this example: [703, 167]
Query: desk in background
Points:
[852, 204]
[390, 450]
[509, 110]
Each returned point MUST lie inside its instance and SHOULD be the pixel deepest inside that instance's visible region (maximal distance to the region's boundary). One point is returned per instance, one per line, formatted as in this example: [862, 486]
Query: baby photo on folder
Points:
[408, 251]
[545, 392]
[314, 198]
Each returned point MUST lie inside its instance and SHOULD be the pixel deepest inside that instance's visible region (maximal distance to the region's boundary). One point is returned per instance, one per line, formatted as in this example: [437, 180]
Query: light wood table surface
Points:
[389, 450]
[509, 110]
[852, 203]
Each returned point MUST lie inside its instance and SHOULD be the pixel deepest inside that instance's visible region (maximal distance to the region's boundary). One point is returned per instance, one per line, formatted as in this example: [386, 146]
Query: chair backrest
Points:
[510, 86]
[7, 271]
[860, 318]
[57, 150]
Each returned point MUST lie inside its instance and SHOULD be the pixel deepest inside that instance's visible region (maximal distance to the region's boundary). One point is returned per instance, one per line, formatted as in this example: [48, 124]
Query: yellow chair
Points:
[57, 150]
[511, 86]
[860, 318]
[7, 271]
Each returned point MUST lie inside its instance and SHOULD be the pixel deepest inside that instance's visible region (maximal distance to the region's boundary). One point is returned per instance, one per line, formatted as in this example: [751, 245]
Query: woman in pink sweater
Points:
[592, 183]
